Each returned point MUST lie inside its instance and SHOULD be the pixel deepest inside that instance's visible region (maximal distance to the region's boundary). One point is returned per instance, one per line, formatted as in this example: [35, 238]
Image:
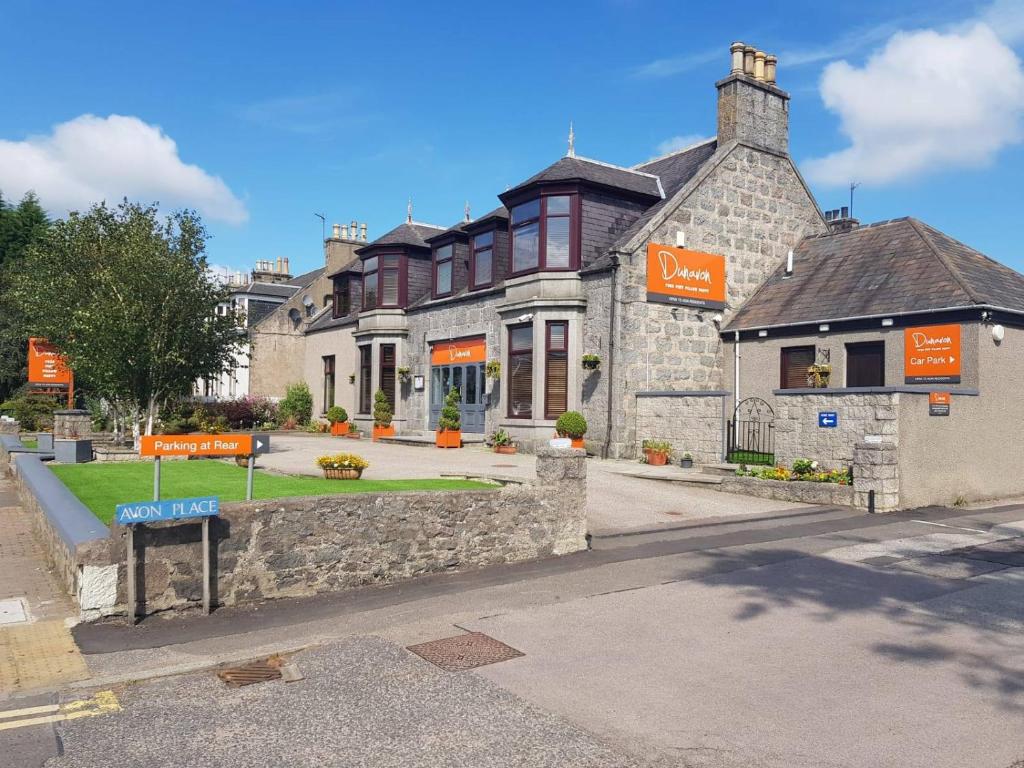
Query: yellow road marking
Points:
[102, 703]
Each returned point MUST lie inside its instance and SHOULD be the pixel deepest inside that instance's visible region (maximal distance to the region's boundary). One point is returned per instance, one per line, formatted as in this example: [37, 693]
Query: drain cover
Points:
[254, 672]
[467, 651]
[13, 611]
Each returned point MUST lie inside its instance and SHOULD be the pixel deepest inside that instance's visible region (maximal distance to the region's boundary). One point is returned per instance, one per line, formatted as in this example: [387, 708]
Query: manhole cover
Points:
[468, 651]
[13, 611]
[254, 672]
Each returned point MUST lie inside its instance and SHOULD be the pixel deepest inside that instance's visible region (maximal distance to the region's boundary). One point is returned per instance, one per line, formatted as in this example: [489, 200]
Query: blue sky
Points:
[261, 114]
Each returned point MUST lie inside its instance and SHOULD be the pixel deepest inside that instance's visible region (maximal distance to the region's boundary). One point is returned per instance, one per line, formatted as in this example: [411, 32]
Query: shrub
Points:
[32, 413]
[501, 437]
[451, 419]
[297, 403]
[382, 413]
[342, 461]
[318, 427]
[804, 466]
[492, 370]
[571, 424]
[336, 414]
[658, 446]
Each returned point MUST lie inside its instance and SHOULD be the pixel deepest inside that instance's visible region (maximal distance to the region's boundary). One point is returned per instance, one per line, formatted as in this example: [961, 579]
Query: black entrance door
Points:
[469, 381]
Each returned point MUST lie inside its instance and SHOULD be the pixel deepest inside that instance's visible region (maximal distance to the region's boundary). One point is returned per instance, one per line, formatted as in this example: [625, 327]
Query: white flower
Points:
[814, 465]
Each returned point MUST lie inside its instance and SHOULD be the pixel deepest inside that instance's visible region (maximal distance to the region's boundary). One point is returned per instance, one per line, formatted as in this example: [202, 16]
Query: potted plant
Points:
[591, 362]
[657, 452]
[382, 415]
[492, 370]
[338, 417]
[342, 466]
[686, 462]
[818, 375]
[351, 378]
[571, 424]
[353, 432]
[449, 426]
[502, 442]
[404, 374]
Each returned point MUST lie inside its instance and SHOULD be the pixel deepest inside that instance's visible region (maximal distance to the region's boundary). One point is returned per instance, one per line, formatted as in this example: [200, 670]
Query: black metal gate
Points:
[751, 433]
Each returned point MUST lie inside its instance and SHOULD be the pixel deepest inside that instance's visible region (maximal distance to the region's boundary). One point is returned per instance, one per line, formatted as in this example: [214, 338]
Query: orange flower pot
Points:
[656, 458]
[577, 442]
[339, 428]
[508, 450]
[448, 438]
[379, 432]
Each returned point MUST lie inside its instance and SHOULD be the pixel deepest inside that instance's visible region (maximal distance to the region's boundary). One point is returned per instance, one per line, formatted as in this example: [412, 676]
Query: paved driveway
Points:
[616, 503]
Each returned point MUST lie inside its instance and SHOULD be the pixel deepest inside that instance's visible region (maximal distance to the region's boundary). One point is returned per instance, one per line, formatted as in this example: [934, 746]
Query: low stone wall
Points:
[823, 494]
[876, 468]
[9, 427]
[691, 421]
[303, 546]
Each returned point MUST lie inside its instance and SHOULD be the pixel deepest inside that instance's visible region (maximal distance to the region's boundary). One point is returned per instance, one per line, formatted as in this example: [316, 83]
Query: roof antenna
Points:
[572, 142]
[408, 212]
[468, 219]
[853, 186]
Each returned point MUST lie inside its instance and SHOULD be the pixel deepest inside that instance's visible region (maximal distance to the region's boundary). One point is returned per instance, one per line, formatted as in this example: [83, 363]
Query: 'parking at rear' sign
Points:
[931, 354]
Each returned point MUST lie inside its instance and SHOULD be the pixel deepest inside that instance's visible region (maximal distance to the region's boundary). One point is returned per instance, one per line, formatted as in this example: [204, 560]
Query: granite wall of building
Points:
[691, 423]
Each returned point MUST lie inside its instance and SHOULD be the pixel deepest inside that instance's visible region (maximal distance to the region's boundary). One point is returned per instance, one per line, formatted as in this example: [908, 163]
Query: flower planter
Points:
[342, 473]
[448, 438]
[577, 442]
[656, 458]
[686, 463]
[505, 449]
[591, 365]
[379, 432]
[339, 428]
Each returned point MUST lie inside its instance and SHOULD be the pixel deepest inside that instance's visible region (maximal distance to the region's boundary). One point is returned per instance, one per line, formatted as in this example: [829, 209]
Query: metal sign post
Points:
[248, 479]
[156, 478]
[141, 512]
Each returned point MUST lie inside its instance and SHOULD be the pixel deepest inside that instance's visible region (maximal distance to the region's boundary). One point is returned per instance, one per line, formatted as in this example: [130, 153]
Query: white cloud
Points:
[926, 101]
[1006, 18]
[89, 159]
[676, 143]
[677, 64]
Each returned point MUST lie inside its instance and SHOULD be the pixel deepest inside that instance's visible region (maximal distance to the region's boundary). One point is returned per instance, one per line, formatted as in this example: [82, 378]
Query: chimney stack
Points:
[751, 107]
[839, 220]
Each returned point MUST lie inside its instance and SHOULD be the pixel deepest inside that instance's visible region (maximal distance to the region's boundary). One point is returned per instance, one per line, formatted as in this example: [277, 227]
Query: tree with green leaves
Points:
[20, 227]
[128, 300]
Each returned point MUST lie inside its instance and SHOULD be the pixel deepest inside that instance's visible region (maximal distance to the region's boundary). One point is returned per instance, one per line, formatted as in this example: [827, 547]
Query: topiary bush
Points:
[571, 424]
[382, 413]
[297, 403]
[451, 419]
[336, 414]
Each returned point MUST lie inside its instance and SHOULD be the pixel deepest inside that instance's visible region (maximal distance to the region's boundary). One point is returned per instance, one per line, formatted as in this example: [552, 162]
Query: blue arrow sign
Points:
[169, 509]
[828, 419]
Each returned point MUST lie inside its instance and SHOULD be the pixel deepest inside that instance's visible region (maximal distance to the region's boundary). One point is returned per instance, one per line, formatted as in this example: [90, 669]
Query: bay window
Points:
[543, 234]
[443, 270]
[482, 260]
[365, 379]
[520, 379]
[387, 372]
[328, 381]
[556, 369]
[381, 281]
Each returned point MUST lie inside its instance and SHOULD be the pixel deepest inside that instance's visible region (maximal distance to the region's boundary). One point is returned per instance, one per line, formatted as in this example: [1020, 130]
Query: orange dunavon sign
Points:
[203, 445]
[45, 364]
[459, 351]
[680, 276]
[931, 354]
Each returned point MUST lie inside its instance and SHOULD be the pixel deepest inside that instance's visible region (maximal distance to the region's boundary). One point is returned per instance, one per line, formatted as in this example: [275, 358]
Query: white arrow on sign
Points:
[260, 445]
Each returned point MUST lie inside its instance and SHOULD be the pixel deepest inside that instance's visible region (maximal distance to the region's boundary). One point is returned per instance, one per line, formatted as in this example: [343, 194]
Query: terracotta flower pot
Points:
[379, 432]
[353, 435]
[342, 473]
[505, 449]
[656, 458]
[577, 442]
[339, 428]
[448, 438]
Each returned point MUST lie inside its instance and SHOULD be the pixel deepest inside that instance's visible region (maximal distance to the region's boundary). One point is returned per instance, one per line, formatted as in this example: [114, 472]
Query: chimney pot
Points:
[770, 64]
[336, 231]
[362, 235]
[748, 60]
[736, 50]
[287, 271]
[353, 228]
[759, 65]
[344, 232]
[844, 212]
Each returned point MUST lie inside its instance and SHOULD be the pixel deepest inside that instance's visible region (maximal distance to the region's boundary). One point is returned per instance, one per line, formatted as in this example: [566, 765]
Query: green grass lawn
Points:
[30, 442]
[101, 487]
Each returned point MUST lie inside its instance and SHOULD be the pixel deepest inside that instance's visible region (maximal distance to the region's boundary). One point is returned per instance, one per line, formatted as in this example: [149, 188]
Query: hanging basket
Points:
[342, 473]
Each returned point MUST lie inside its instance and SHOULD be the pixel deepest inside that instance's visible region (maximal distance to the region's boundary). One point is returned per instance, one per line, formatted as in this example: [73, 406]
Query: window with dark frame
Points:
[341, 298]
[556, 369]
[865, 364]
[542, 234]
[365, 379]
[387, 372]
[381, 281]
[520, 378]
[443, 269]
[328, 381]
[794, 364]
[482, 260]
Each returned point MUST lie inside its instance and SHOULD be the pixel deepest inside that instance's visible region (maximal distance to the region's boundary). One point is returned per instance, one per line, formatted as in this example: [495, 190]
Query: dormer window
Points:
[481, 268]
[443, 270]
[381, 281]
[543, 235]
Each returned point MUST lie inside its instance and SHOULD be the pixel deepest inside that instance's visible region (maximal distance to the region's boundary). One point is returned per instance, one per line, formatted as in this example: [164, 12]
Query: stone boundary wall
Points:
[691, 421]
[823, 494]
[876, 468]
[304, 546]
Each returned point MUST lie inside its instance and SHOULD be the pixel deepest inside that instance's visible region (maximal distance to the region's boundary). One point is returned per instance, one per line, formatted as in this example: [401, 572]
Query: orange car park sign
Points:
[46, 365]
[931, 354]
[459, 351]
[203, 445]
[685, 277]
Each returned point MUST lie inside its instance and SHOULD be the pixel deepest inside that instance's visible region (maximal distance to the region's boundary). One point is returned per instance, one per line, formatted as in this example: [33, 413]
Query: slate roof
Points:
[282, 290]
[326, 320]
[301, 281]
[407, 233]
[353, 265]
[595, 172]
[889, 268]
